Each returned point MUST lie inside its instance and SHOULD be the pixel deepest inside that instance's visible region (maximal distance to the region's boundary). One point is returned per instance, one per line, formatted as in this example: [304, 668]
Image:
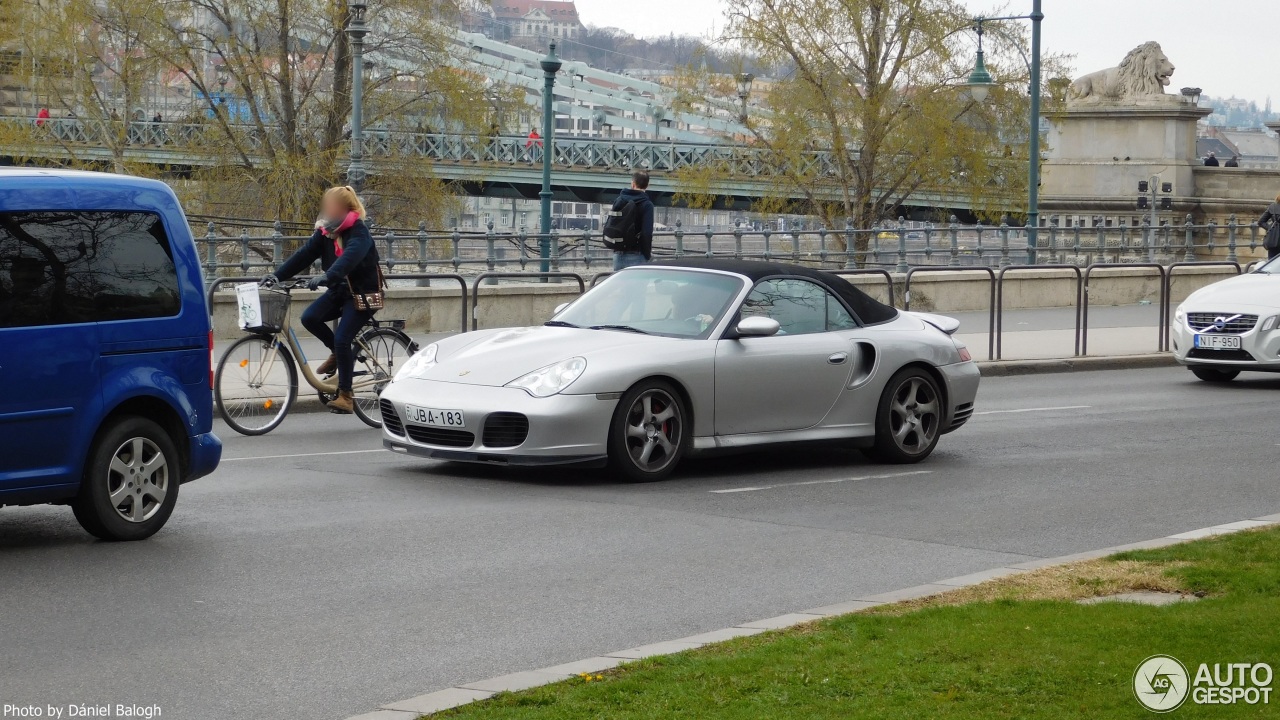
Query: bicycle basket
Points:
[275, 303]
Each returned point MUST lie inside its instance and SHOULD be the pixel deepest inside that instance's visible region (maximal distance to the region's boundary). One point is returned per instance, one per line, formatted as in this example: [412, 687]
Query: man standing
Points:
[1233, 162]
[628, 230]
[1211, 161]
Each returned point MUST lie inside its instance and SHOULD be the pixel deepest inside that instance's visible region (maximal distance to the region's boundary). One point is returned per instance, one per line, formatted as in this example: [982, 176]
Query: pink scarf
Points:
[333, 231]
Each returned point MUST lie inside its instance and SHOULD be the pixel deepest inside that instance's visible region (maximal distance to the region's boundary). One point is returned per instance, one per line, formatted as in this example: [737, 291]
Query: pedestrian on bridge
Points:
[533, 146]
[628, 230]
[1270, 224]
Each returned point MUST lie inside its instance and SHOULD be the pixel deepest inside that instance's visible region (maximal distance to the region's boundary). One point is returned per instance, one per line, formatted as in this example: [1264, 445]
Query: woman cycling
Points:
[345, 249]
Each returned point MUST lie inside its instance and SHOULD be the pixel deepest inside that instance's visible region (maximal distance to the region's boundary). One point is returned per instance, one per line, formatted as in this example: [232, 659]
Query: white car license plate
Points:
[1218, 342]
[434, 417]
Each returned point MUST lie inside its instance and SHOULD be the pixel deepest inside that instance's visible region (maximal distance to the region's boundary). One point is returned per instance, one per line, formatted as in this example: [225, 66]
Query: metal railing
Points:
[1079, 304]
[896, 246]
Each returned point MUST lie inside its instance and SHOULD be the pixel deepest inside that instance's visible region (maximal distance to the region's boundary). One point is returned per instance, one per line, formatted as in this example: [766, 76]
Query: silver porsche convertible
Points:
[664, 360]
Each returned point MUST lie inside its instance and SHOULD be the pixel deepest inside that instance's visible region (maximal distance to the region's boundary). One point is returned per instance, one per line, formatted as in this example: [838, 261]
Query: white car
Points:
[1230, 326]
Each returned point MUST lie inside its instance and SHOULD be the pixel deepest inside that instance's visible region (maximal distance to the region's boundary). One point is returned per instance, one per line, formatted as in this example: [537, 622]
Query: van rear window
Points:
[62, 267]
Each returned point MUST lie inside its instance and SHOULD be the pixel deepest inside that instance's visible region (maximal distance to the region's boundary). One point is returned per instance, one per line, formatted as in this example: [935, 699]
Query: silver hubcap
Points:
[654, 428]
[138, 480]
[914, 415]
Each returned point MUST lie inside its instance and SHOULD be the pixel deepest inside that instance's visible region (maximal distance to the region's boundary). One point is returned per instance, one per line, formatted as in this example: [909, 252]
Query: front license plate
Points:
[434, 417]
[1218, 342]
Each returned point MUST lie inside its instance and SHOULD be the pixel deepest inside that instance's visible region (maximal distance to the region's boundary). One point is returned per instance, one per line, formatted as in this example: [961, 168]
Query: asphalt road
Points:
[316, 576]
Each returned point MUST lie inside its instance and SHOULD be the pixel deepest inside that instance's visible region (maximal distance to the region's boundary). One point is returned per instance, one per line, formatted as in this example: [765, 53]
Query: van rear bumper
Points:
[206, 451]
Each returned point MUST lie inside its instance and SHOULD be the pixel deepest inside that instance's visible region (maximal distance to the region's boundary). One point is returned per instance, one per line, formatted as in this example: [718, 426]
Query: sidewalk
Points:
[1050, 332]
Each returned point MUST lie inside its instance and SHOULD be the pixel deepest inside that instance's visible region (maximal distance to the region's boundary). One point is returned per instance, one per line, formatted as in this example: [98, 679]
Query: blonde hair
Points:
[347, 196]
[1278, 197]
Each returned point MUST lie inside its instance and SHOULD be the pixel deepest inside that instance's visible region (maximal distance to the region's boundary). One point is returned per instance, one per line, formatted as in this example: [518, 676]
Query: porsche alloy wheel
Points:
[648, 434]
[909, 418]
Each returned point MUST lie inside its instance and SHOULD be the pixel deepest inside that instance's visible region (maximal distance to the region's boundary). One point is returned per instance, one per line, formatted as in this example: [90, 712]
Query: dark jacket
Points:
[359, 260]
[1270, 224]
[646, 218]
[1211, 162]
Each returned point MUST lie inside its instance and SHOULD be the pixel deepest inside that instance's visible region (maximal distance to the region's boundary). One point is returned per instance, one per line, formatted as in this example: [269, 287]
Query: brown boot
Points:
[344, 404]
[328, 367]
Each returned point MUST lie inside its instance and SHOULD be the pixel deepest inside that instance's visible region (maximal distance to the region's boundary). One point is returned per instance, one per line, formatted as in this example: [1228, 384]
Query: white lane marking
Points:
[821, 482]
[298, 455]
[1039, 409]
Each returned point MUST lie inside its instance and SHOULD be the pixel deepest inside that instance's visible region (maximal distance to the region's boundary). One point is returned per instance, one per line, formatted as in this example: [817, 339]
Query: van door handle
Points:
[838, 358]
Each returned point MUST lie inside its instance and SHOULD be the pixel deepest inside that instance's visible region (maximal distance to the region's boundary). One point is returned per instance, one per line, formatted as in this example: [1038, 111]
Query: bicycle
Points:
[257, 378]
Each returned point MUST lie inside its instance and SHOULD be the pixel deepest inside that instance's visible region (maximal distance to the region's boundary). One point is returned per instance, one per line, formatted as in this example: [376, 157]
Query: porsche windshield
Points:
[658, 301]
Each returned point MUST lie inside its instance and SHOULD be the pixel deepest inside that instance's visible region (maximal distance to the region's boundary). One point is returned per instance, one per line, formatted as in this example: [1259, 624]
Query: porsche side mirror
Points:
[757, 326]
[560, 308]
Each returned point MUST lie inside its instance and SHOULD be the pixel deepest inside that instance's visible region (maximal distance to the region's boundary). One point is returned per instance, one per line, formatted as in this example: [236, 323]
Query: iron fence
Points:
[238, 247]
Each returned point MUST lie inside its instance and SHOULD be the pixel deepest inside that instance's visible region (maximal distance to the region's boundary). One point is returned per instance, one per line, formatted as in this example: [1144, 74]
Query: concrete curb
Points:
[1004, 368]
[470, 692]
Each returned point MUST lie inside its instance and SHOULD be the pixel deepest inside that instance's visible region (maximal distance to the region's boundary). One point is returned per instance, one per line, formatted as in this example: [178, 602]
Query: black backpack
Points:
[622, 228]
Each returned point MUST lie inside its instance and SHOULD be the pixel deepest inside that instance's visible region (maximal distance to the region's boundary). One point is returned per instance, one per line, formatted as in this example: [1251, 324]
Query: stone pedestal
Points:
[1098, 153]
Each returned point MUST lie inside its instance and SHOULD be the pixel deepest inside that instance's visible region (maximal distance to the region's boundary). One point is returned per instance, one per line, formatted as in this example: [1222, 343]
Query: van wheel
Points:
[130, 482]
[1214, 375]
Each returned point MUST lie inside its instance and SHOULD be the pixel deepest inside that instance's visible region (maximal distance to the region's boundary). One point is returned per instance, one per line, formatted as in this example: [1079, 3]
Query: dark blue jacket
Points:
[646, 218]
[359, 260]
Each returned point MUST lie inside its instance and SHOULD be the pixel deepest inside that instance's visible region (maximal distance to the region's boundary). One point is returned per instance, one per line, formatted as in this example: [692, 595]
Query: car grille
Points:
[1235, 355]
[1205, 323]
[505, 429]
[441, 436]
[964, 411]
[391, 419]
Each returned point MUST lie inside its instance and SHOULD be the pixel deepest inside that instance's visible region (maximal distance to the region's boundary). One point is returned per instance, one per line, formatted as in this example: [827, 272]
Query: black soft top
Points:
[869, 310]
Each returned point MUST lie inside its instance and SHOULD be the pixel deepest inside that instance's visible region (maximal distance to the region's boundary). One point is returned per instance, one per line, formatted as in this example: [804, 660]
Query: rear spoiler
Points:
[946, 324]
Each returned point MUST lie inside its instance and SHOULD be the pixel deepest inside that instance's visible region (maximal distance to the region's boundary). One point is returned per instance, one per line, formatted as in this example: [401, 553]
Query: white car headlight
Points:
[420, 363]
[1179, 315]
[551, 379]
[1270, 323]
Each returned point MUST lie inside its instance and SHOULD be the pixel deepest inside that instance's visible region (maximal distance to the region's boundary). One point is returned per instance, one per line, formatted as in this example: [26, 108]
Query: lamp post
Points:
[550, 66]
[658, 115]
[980, 83]
[356, 30]
[744, 91]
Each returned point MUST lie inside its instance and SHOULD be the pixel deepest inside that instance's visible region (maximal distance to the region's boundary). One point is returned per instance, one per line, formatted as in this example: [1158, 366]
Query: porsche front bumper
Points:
[505, 426]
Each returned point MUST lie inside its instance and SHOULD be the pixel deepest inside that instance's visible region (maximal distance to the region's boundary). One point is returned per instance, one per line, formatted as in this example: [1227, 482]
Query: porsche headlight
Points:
[1270, 323]
[551, 379]
[420, 363]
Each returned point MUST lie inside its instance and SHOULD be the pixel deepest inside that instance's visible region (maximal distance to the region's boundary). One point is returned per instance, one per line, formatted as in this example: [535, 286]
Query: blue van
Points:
[106, 353]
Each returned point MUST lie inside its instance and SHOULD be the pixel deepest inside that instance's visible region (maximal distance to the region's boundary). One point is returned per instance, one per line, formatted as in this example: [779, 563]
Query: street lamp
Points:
[980, 83]
[356, 30]
[659, 114]
[550, 66]
[744, 91]
[980, 80]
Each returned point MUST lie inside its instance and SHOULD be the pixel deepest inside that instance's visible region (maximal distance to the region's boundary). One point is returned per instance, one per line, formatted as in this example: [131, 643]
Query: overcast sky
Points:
[1227, 48]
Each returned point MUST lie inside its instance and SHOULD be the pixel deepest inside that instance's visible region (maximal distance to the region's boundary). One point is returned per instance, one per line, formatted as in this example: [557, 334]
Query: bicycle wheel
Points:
[379, 353]
[255, 386]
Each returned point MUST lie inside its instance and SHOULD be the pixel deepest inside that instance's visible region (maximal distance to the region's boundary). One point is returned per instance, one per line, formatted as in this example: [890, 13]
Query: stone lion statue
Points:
[1141, 76]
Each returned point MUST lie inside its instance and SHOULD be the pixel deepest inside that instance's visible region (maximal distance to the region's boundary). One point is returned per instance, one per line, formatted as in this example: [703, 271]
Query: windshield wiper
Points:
[624, 328]
[560, 323]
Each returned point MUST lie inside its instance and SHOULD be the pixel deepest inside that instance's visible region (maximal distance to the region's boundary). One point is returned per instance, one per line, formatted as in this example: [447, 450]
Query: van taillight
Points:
[210, 359]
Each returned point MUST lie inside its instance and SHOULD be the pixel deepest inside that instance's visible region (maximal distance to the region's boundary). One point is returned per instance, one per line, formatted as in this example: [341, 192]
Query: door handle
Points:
[838, 358]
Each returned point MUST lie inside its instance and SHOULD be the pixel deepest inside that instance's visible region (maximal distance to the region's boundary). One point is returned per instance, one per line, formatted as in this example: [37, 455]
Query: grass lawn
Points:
[1018, 647]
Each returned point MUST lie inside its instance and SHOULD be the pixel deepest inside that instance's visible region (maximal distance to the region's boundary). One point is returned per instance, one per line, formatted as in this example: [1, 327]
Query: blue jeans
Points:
[627, 259]
[337, 305]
